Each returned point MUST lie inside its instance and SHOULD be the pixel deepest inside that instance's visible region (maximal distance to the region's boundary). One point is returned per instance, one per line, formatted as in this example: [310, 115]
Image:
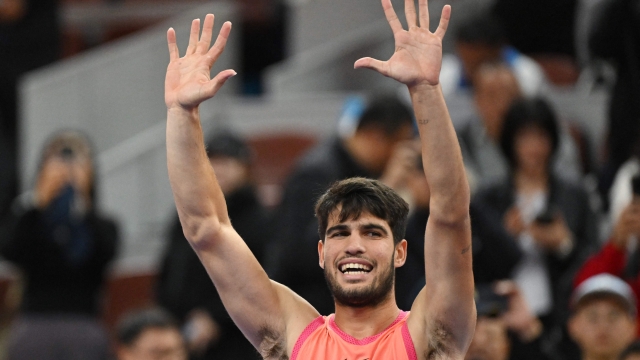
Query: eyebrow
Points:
[369, 226]
[372, 226]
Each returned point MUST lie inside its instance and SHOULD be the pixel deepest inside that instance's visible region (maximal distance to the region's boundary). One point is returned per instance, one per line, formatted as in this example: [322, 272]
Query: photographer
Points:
[62, 246]
[551, 218]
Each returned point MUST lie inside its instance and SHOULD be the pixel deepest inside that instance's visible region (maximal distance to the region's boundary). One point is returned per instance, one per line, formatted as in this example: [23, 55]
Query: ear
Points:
[401, 253]
[321, 253]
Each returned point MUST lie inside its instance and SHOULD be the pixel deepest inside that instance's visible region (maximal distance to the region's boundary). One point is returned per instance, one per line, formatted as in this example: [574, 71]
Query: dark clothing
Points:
[539, 26]
[184, 285]
[58, 279]
[25, 44]
[495, 253]
[58, 337]
[296, 265]
[573, 203]
[615, 36]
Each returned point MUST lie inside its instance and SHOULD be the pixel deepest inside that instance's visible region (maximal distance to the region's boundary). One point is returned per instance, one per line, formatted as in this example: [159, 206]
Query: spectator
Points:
[613, 258]
[495, 253]
[480, 39]
[184, 287]
[505, 329]
[551, 218]
[632, 352]
[63, 247]
[495, 90]
[615, 36]
[149, 335]
[603, 322]
[375, 150]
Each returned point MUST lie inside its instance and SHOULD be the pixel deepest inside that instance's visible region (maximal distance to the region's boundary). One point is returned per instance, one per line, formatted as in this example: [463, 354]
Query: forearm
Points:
[195, 189]
[441, 155]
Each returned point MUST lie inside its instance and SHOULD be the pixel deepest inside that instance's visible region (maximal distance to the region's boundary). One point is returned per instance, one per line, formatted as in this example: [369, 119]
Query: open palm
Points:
[418, 55]
[188, 81]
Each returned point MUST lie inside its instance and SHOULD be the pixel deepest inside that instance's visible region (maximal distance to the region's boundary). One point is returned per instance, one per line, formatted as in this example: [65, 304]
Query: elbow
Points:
[201, 232]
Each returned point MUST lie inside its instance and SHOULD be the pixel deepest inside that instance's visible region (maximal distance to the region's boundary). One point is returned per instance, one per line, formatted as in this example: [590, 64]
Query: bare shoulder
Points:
[298, 314]
[433, 338]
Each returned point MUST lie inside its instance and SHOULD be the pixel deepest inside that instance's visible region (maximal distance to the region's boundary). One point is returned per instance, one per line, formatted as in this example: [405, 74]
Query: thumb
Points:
[369, 63]
[212, 87]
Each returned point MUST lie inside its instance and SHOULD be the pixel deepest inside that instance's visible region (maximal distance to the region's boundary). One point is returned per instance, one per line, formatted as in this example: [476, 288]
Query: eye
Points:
[375, 234]
[338, 234]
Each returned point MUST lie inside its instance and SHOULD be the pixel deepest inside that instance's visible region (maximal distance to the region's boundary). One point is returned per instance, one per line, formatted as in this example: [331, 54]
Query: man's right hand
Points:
[628, 224]
[188, 82]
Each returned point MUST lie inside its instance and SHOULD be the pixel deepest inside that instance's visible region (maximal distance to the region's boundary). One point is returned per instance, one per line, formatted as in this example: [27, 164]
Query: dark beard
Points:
[372, 295]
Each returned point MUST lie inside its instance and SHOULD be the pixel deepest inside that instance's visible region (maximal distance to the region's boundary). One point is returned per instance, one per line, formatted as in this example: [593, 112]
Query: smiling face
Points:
[359, 259]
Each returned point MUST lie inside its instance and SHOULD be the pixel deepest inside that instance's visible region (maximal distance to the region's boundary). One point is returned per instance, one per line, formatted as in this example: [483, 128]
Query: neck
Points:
[367, 321]
[533, 180]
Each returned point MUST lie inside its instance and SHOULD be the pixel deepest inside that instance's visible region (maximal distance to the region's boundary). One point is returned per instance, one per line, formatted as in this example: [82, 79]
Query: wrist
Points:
[181, 112]
[424, 88]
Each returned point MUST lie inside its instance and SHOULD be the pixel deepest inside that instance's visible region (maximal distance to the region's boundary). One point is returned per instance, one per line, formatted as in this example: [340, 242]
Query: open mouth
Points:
[353, 268]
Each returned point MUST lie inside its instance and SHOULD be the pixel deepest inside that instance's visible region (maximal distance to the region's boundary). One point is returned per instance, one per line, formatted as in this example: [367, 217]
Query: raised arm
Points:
[253, 301]
[444, 311]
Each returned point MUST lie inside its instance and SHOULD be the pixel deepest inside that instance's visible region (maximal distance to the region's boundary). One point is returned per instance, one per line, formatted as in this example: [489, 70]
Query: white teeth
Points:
[352, 268]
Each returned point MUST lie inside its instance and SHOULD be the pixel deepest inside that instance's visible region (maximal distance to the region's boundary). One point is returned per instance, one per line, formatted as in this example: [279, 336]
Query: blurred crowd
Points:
[556, 262]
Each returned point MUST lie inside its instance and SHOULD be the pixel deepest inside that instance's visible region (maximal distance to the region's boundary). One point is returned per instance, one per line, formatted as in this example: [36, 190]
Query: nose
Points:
[355, 245]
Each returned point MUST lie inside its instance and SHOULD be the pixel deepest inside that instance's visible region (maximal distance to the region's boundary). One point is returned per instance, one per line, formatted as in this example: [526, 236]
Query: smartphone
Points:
[547, 216]
[635, 185]
[488, 303]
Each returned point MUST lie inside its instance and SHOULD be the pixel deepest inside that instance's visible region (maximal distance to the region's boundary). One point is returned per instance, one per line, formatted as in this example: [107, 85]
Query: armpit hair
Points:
[439, 342]
[272, 346]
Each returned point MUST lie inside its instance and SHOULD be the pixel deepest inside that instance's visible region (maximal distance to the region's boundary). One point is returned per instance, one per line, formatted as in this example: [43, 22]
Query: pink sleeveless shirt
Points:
[322, 339]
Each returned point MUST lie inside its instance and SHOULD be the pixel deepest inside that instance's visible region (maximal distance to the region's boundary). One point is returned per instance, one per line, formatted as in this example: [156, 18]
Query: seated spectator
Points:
[495, 253]
[184, 287]
[149, 335]
[613, 258]
[494, 91]
[632, 352]
[551, 218]
[481, 39]
[603, 320]
[505, 328]
[377, 148]
[63, 246]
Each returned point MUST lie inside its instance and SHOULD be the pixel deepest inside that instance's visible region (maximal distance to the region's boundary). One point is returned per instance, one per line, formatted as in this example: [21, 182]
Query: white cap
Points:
[605, 284]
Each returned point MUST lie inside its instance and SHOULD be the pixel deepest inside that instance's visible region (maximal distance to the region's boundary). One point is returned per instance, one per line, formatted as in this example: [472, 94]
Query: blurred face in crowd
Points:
[473, 56]
[495, 88]
[490, 341]
[231, 173]
[602, 327]
[61, 170]
[155, 344]
[383, 144]
[359, 259]
[532, 149]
